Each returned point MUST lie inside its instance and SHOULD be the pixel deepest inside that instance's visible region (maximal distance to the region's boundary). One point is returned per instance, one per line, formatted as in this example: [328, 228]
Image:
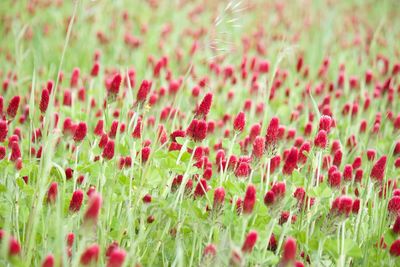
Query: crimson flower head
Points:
[147, 198]
[378, 170]
[285, 217]
[272, 133]
[115, 84]
[177, 133]
[95, 69]
[394, 205]
[108, 151]
[348, 172]
[113, 129]
[258, 147]
[201, 188]
[357, 162]
[70, 239]
[93, 209]
[103, 140]
[304, 150]
[198, 153]
[48, 261]
[219, 197]
[14, 247]
[239, 205]
[13, 106]
[18, 165]
[255, 131]
[321, 139]
[342, 205]
[69, 173]
[334, 178]
[239, 122]
[15, 151]
[91, 190]
[250, 242]
[290, 162]
[52, 192]
[157, 68]
[395, 248]
[204, 106]
[210, 250]
[50, 85]
[219, 157]
[277, 192]
[90, 255]
[308, 129]
[337, 158]
[263, 66]
[356, 206]
[335, 146]
[80, 132]
[143, 91]
[117, 258]
[145, 154]
[345, 205]
[371, 153]
[3, 130]
[368, 76]
[13, 138]
[358, 175]
[76, 201]
[289, 251]
[98, 130]
[197, 130]
[174, 86]
[269, 198]
[325, 123]
[249, 199]
[299, 194]
[272, 244]
[68, 126]
[243, 170]
[137, 132]
[75, 77]
[111, 247]
[44, 100]
[279, 189]
[396, 226]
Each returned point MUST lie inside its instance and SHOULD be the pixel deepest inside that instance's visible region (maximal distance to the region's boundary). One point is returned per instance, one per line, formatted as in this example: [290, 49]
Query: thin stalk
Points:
[227, 159]
[319, 156]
